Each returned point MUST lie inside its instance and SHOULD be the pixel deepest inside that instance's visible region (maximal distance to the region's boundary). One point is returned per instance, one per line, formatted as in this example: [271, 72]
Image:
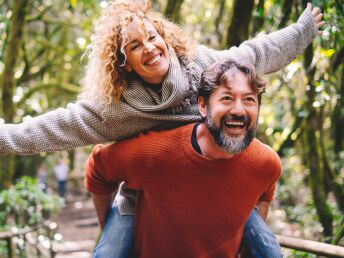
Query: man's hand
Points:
[102, 203]
[317, 16]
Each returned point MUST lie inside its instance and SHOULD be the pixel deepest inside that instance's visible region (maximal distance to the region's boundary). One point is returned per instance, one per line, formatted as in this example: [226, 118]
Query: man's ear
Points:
[202, 107]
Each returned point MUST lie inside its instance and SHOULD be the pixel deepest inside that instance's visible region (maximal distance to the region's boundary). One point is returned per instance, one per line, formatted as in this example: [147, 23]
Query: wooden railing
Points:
[8, 236]
[311, 246]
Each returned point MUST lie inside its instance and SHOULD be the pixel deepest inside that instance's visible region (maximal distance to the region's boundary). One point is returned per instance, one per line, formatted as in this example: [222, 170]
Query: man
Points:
[197, 183]
[61, 171]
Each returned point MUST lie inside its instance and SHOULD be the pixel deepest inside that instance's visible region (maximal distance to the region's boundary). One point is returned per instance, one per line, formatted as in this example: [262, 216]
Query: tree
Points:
[239, 26]
[11, 56]
[47, 65]
[173, 10]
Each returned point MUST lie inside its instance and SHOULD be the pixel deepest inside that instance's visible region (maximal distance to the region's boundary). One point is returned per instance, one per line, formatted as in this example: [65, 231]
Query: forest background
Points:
[302, 115]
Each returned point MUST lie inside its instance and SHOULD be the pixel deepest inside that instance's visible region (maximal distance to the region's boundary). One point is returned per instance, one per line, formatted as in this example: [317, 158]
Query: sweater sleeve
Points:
[108, 165]
[269, 193]
[64, 128]
[79, 124]
[270, 53]
[96, 179]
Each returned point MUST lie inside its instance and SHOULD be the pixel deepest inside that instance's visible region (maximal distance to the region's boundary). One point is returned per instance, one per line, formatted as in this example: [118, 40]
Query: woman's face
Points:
[147, 53]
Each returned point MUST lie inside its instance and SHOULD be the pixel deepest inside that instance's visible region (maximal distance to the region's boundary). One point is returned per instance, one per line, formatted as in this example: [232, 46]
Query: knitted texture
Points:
[87, 122]
[189, 205]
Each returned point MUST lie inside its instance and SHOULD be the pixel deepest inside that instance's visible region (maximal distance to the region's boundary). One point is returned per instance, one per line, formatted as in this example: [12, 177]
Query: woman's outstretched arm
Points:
[271, 52]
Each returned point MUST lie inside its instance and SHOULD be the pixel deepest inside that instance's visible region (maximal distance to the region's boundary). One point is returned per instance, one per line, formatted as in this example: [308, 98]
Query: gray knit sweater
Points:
[86, 122]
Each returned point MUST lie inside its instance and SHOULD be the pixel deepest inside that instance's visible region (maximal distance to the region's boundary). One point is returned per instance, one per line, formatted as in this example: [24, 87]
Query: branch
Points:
[289, 142]
[38, 16]
[66, 87]
[58, 22]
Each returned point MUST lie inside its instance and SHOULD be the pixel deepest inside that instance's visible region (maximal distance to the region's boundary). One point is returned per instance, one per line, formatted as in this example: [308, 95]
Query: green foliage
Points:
[50, 64]
[298, 254]
[25, 204]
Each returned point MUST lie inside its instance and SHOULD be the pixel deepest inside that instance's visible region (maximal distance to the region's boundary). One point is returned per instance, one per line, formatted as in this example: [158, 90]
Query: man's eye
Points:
[250, 99]
[227, 98]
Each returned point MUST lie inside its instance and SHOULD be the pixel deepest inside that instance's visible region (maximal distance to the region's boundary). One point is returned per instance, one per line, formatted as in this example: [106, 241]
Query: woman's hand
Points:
[317, 16]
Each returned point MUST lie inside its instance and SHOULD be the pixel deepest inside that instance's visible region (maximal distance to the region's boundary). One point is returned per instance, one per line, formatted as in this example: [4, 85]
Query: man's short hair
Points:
[218, 74]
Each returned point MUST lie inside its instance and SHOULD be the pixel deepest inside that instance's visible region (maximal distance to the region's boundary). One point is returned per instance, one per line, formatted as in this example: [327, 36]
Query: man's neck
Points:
[208, 145]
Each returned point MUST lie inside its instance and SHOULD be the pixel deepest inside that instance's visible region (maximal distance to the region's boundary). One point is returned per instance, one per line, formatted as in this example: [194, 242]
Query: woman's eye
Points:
[152, 37]
[134, 47]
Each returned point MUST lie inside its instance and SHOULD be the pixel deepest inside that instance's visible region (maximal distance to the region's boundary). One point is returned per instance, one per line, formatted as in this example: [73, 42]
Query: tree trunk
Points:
[173, 9]
[239, 26]
[219, 32]
[11, 56]
[258, 19]
[286, 11]
[312, 155]
[337, 121]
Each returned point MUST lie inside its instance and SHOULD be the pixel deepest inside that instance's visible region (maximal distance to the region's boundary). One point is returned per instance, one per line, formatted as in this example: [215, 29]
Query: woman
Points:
[143, 74]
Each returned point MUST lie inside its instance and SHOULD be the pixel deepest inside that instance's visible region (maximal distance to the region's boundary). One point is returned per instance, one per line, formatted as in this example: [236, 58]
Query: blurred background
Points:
[302, 115]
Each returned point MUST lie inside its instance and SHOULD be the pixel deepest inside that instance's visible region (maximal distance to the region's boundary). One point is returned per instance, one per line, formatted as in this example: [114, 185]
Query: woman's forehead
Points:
[139, 26]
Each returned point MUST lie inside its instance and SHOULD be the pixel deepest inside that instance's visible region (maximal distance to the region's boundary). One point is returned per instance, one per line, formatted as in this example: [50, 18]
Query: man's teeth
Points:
[154, 60]
[232, 123]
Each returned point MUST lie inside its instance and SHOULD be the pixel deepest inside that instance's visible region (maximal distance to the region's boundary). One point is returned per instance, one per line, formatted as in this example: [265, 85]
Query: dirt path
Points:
[78, 226]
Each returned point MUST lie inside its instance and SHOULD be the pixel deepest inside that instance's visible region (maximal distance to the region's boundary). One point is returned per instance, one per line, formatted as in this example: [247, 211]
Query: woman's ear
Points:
[128, 68]
[202, 107]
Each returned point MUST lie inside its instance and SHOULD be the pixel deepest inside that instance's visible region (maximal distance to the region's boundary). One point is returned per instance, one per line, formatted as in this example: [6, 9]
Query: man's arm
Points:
[263, 208]
[102, 204]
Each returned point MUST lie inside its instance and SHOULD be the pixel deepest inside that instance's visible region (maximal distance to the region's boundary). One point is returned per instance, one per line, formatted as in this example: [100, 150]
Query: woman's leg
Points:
[258, 240]
[117, 238]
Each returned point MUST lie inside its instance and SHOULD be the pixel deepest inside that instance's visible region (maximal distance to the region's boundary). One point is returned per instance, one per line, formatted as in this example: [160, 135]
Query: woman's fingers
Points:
[309, 6]
[317, 16]
[315, 11]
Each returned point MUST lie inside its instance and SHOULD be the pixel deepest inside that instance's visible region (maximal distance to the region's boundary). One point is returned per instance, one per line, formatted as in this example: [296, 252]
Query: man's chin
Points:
[235, 135]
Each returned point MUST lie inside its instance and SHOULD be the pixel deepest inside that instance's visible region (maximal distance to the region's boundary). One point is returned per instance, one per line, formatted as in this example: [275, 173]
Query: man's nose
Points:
[237, 108]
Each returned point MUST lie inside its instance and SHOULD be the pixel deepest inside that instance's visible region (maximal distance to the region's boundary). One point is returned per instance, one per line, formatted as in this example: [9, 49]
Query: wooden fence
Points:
[309, 246]
[47, 226]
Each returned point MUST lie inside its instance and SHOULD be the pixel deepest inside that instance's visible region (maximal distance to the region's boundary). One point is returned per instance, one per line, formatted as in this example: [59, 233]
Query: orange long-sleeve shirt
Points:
[188, 205]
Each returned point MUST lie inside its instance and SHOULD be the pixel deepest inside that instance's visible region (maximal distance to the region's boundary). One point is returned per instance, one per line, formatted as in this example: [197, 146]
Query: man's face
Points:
[146, 51]
[232, 114]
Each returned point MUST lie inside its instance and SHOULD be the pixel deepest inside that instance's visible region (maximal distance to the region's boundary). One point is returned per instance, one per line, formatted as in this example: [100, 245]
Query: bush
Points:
[25, 204]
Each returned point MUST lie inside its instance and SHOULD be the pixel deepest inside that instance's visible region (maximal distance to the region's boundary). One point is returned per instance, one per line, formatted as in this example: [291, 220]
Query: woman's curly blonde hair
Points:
[106, 77]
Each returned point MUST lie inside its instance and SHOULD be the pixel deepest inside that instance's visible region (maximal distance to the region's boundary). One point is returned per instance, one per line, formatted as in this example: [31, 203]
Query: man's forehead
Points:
[237, 81]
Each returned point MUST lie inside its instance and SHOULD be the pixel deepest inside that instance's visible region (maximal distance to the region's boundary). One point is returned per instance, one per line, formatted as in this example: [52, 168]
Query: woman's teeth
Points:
[154, 60]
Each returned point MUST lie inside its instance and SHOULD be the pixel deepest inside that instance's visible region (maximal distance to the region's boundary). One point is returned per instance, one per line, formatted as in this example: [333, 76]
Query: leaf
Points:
[328, 52]
[73, 3]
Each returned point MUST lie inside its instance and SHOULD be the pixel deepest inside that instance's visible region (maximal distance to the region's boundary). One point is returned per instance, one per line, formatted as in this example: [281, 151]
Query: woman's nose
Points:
[149, 47]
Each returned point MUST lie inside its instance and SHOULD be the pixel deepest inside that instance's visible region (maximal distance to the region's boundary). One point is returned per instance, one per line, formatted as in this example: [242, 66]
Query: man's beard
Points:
[230, 144]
